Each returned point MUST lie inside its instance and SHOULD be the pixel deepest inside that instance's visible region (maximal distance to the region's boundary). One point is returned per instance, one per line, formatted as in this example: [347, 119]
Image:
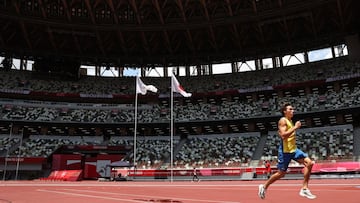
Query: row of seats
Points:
[151, 151]
[205, 151]
[228, 150]
[24, 81]
[44, 146]
[236, 108]
[6, 142]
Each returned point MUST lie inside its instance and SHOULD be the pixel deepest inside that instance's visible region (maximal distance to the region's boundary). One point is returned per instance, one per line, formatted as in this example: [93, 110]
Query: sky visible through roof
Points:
[314, 55]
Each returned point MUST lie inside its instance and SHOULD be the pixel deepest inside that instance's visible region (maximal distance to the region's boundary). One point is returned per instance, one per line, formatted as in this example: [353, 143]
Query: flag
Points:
[176, 87]
[142, 88]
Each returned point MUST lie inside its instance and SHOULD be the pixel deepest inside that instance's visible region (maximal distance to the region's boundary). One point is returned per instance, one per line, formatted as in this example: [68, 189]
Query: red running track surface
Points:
[327, 191]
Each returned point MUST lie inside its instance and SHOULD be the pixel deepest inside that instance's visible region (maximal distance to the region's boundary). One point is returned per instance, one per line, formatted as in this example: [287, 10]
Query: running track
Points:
[327, 190]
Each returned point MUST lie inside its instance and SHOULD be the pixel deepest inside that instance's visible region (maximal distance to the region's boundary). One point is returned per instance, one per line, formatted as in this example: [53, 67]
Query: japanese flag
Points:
[176, 87]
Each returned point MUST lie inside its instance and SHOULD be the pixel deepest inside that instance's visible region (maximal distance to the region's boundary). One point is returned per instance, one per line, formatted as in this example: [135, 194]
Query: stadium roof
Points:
[176, 32]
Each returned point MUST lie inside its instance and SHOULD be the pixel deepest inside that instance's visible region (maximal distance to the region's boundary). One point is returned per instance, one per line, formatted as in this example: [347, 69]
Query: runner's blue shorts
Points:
[285, 158]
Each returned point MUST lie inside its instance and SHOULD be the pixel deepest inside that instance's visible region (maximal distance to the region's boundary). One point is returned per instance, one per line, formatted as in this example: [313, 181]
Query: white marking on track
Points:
[66, 184]
[90, 196]
[150, 196]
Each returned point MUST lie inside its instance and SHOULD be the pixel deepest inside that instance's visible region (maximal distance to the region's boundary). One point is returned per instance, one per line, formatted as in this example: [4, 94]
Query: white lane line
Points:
[90, 196]
[66, 184]
[150, 196]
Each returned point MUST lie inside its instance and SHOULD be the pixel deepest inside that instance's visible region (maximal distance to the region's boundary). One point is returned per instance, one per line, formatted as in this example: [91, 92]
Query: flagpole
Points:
[18, 156]
[7, 153]
[171, 128]
[140, 88]
[135, 125]
[180, 90]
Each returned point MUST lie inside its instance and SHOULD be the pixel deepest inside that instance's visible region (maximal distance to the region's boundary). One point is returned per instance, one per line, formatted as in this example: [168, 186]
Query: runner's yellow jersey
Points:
[289, 144]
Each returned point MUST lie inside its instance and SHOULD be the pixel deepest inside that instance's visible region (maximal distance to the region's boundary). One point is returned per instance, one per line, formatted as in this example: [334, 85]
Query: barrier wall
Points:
[65, 175]
[344, 167]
